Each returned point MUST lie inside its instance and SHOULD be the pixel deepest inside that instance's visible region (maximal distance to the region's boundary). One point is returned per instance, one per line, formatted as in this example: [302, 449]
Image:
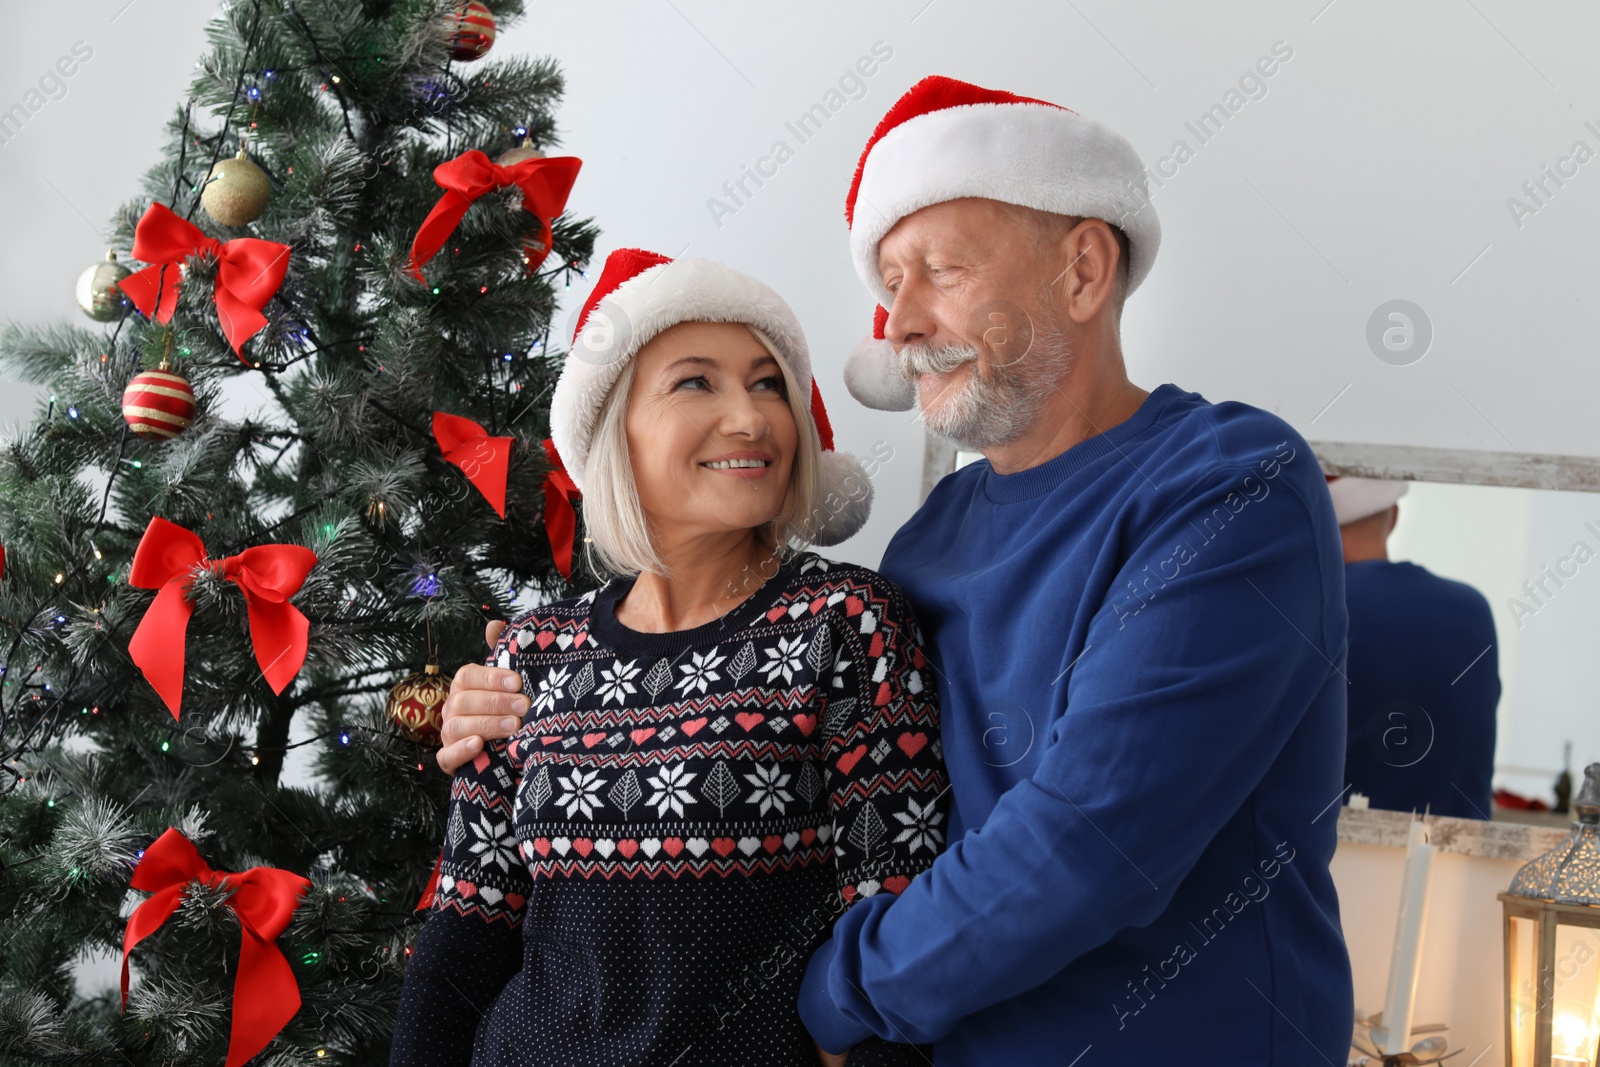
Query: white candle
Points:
[1407, 958]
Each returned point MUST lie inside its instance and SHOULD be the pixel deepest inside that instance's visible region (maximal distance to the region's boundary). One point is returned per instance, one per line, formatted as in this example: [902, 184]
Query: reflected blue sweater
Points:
[1424, 685]
[1140, 648]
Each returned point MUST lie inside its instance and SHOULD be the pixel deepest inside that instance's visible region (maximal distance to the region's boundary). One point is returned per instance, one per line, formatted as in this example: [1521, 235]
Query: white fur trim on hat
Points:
[873, 377]
[1032, 155]
[1355, 499]
[846, 498]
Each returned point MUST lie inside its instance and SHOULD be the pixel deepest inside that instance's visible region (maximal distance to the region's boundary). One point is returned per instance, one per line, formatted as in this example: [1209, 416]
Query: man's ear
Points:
[1089, 256]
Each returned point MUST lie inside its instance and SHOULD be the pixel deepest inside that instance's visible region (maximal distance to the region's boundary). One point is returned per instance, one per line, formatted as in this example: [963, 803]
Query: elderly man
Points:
[1135, 605]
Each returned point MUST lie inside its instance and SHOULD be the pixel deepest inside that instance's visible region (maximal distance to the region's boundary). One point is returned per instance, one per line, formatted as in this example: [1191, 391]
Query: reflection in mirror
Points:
[1423, 669]
[1475, 635]
[1530, 558]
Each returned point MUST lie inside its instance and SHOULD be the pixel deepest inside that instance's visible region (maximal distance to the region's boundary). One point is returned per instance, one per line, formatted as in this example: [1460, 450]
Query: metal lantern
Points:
[1552, 943]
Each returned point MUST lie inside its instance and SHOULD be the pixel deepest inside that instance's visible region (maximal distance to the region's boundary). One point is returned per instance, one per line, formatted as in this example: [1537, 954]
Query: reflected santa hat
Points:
[1355, 499]
[639, 295]
[947, 139]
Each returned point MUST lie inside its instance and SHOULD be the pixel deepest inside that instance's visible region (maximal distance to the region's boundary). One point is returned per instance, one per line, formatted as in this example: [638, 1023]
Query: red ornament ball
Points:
[416, 705]
[471, 31]
[158, 403]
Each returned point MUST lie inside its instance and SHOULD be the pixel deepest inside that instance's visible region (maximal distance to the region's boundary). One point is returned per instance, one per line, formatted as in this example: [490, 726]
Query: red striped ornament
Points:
[158, 403]
[471, 32]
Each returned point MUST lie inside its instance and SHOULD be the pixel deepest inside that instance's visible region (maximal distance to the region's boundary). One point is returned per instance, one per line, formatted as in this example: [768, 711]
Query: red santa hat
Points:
[1355, 499]
[639, 295]
[947, 139]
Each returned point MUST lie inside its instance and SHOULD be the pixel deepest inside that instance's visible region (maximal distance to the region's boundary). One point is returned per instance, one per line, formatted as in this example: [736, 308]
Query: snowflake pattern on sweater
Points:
[677, 823]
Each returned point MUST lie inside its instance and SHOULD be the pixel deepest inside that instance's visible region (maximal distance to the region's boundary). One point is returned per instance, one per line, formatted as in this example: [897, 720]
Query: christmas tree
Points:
[302, 458]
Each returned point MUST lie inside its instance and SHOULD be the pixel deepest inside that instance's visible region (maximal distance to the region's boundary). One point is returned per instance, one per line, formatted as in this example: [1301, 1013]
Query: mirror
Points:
[1524, 532]
[1529, 552]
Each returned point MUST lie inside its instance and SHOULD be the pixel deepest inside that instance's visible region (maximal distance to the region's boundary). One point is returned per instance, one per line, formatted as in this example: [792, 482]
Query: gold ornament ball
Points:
[416, 705]
[97, 290]
[236, 191]
[525, 150]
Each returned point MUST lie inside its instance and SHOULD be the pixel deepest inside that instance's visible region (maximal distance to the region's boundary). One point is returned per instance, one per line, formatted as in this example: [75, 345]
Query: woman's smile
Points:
[741, 464]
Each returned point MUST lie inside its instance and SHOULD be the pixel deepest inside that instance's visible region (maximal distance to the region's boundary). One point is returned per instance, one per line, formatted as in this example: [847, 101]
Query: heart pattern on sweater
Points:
[912, 742]
[848, 761]
[630, 768]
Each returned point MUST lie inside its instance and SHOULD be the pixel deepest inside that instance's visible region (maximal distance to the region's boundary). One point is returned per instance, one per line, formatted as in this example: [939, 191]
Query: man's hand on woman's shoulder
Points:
[831, 1059]
[484, 702]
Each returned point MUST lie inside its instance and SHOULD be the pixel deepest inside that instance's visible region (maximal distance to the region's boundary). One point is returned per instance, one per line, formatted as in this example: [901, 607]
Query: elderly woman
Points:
[727, 744]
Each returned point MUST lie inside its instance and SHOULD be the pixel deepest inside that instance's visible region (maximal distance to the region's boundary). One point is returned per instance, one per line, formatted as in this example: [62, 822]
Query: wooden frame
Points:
[1447, 833]
[1412, 463]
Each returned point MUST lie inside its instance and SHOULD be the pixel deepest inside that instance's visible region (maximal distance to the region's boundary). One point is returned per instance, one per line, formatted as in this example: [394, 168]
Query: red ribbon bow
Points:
[249, 271]
[430, 892]
[560, 517]
[483, 459]
[269, 576]
[265, 994]
[545, 184]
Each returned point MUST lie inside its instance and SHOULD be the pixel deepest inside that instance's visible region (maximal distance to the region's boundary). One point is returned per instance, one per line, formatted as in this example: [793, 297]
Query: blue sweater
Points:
[1140, 647]
[1424, 684]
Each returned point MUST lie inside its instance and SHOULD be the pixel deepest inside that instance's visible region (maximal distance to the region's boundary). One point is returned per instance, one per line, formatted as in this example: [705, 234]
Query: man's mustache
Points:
[919, 358]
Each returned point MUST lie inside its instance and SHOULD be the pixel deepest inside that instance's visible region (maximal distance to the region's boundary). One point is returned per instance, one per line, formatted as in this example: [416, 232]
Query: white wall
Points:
[81, 154]
[1377, 166]
[1461, 982]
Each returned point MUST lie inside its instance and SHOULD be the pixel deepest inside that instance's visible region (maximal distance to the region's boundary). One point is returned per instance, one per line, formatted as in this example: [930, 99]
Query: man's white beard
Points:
[996, 405]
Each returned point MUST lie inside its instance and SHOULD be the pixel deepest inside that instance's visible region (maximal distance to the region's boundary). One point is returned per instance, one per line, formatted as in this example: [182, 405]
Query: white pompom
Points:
[846, 499]
[873, 378]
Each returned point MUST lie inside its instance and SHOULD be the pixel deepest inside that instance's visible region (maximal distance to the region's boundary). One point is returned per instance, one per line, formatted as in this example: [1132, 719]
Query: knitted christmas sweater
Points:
[639, 874]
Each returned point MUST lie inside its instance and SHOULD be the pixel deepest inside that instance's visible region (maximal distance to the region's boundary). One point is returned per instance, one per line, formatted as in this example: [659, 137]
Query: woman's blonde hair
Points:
[619, 537]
